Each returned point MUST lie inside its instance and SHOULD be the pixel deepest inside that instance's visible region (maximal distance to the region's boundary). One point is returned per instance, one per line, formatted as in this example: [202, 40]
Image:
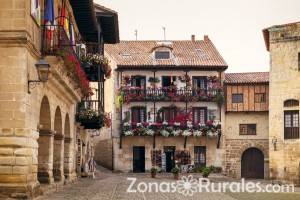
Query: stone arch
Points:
[45, 143]
[246, 146]
[58, 149]
[252, 163]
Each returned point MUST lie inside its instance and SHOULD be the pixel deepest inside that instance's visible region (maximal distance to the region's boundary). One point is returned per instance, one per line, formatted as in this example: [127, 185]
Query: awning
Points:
[86, 19]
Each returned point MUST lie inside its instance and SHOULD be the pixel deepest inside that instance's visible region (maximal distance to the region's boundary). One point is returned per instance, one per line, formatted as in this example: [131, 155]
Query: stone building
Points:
[247, 125]
[283, 43]
[166, 104]
[40, 140]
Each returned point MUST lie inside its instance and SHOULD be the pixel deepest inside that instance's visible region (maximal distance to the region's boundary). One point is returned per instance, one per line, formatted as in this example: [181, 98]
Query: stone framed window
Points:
[247, 129]
[237, 98]
[260, 97]
[291, 103]
[291, 124]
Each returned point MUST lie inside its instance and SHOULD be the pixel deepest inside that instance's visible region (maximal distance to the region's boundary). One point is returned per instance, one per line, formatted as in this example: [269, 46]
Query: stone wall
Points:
[284, 84]
[103, 153]
[236, 144]
[31, 133]
[123, 157]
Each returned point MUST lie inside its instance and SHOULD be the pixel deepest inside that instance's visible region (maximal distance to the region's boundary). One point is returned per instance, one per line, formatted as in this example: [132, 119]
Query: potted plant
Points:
[175, 171]
[206, 171]
[153, 172]
[153, 80]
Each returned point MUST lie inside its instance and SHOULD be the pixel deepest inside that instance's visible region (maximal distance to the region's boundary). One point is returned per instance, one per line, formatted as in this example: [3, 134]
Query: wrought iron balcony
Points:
[135, 94]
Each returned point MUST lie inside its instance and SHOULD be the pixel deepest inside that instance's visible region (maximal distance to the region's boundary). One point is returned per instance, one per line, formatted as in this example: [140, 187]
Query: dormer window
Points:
[162, 54]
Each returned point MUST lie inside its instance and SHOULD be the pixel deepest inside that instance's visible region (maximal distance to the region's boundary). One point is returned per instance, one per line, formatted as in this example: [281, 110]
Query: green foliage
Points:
[175, 170]
[206, 171]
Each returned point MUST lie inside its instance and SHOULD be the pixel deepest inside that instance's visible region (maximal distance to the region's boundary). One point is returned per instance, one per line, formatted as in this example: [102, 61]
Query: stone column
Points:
[69, 170]
[45, 156]
[58, 157]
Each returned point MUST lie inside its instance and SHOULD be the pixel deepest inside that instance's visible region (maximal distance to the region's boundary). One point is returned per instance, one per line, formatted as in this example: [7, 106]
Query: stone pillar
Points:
[58, 157]
[45, 156]
[69, 170]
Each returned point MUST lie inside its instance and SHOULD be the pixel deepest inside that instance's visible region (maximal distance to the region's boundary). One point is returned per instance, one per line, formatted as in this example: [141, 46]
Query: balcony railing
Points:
[55, 40]
[171, 94]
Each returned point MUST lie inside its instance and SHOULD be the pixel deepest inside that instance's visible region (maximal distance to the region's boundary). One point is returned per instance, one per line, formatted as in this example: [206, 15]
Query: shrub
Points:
[206, 171]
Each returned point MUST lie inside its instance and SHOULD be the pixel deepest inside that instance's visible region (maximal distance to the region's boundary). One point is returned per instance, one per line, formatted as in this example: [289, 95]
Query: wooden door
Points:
[138, 159]
[252, 164]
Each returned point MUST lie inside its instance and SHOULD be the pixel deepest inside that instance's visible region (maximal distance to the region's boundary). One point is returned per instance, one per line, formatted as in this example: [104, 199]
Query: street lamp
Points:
[43, 70]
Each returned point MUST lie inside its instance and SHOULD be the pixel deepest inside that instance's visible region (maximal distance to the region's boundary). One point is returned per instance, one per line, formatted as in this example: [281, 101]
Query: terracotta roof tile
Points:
[250, 77]
[199, 53]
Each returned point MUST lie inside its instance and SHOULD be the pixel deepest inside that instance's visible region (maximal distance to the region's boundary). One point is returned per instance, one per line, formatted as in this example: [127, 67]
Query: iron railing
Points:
[170, 94]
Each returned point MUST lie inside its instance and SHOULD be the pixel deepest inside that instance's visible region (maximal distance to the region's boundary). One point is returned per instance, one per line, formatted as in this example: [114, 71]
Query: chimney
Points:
[193, 38]
[206, 38]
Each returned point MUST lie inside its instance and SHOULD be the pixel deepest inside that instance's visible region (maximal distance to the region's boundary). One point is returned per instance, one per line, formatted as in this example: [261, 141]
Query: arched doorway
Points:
[58, 147]
[45, 140]
[68, 166]
[252, 164]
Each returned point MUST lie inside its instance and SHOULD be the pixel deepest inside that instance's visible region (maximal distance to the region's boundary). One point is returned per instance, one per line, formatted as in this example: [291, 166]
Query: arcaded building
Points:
[246, 132]
[43, 140]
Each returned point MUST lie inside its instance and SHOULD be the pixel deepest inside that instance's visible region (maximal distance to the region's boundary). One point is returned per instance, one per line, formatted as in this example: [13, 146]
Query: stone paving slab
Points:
[113, 186]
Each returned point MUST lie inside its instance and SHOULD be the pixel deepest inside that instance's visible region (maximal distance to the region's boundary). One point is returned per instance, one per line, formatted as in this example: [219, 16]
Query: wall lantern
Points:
[274, 142]
[43, 70]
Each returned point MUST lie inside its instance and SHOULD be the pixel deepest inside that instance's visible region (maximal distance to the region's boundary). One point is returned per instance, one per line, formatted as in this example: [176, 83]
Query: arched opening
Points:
[252, 164]
[58, 147]
[68, 167]
[291, 103]
[45, 140]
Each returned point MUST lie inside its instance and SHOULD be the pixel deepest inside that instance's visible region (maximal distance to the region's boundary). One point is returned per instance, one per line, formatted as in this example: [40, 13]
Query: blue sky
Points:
[234, 26]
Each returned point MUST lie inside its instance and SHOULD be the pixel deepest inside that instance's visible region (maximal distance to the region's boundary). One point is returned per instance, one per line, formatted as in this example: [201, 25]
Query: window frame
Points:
[163, 54]
[198, 109]
[169, 109]
[139, 109]
[262, 98]
[248, 129]
[291, 132]
[233, 100]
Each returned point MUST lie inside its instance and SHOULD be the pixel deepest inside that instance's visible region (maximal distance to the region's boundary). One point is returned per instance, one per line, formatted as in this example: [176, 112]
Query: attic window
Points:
[162, 54]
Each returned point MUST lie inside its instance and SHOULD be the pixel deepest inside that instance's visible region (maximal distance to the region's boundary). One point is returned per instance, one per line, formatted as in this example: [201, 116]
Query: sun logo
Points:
[187, 185]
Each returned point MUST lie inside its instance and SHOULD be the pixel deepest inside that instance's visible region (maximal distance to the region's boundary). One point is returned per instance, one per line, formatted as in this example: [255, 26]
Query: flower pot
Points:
[153, 174]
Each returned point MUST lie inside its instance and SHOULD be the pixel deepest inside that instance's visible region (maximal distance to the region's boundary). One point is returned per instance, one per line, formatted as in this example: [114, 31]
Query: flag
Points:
[49, 11]
[36, 11]
[49, 22]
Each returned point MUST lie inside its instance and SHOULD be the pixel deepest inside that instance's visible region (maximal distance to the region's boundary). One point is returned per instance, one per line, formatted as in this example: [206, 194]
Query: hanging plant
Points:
[219, 98]
[185, 78]
[153, 80]
[126, 79]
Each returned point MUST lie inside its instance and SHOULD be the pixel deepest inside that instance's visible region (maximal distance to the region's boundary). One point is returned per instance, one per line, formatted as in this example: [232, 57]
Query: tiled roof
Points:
[250, 77]
[198, 53]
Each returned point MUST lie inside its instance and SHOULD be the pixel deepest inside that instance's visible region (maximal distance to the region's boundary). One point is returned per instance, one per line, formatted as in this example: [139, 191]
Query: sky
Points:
[234, 26]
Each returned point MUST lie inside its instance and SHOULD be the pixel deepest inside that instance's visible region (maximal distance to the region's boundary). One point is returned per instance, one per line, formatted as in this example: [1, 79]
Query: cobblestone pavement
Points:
[112, 186]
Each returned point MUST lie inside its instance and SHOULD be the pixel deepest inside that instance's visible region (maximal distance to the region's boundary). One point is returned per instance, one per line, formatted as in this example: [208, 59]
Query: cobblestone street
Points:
[112, 186]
